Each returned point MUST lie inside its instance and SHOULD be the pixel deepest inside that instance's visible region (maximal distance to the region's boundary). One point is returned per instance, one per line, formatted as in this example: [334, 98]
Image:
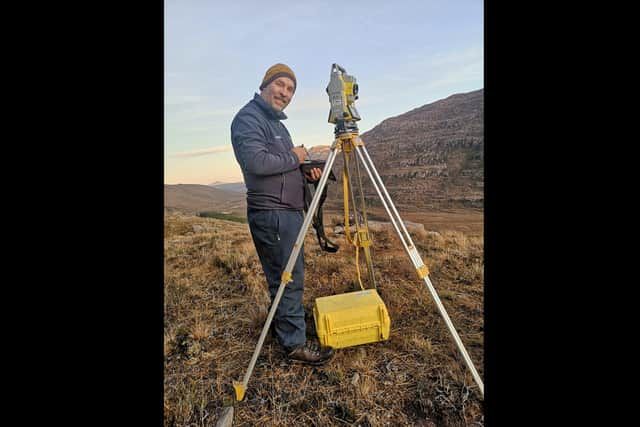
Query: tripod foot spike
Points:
[239, 389]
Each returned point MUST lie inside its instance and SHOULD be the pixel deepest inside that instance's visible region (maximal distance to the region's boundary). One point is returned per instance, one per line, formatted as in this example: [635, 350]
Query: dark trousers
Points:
[274, 233]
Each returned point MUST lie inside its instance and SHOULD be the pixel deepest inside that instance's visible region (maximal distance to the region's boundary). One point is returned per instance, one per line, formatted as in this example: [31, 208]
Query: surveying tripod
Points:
[342, 92]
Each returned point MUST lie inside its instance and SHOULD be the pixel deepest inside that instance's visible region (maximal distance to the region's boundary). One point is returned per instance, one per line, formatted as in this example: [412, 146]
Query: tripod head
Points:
[343, 92]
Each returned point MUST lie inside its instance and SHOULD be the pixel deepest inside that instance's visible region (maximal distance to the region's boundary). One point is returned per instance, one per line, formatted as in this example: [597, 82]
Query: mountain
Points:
[230, 186]
[430, 157]
[319, 151]
[194, 198]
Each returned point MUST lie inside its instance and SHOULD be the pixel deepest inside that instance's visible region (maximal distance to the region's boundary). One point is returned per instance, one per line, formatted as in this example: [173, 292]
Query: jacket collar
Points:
[271, 112]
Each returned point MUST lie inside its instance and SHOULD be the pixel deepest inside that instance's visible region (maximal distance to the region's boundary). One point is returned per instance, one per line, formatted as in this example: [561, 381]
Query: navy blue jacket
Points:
[262, 146]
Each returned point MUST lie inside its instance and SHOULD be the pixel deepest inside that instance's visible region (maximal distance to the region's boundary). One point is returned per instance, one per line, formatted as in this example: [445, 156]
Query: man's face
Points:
[278, 93]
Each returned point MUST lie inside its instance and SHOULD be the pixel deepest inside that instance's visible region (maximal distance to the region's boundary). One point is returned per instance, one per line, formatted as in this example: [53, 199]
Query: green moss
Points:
[218, 215]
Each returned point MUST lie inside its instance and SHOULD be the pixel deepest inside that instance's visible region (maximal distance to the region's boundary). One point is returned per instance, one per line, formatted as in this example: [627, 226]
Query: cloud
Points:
[204, 152]
[463, 76]
[472, 54]
[309, 102]
[195, 114]
[421, 67]
[175, 100]
[458, 69]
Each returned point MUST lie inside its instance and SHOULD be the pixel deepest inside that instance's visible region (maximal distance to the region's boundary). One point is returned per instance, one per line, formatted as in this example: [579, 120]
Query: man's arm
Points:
[251, 148]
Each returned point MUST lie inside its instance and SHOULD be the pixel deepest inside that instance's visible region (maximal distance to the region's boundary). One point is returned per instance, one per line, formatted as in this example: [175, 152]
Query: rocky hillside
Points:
[236, 187]
[319, 152]
[429, 157]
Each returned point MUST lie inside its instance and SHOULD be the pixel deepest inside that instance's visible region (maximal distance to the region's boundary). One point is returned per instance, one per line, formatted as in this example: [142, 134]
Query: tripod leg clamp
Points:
[286, 277]
[423, 271]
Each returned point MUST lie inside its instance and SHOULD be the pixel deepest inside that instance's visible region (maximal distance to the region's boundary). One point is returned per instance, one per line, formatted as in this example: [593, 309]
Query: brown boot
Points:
[311, 353]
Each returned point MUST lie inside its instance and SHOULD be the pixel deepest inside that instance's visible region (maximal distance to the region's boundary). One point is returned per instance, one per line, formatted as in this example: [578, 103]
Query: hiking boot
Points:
[311, 353]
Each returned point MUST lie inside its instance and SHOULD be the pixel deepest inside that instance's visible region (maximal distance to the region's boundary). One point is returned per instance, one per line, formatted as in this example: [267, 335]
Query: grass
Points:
[219, 215]
[216, 304]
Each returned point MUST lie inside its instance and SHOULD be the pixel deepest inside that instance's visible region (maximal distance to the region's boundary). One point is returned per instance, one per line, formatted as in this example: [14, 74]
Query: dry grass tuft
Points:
[216, 304]
[201, 329]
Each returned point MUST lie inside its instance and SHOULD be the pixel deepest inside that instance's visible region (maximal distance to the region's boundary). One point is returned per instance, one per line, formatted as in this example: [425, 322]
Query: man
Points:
[275, 199]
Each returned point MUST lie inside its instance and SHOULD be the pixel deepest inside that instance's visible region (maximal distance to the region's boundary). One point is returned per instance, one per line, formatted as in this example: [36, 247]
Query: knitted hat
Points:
[278, 70]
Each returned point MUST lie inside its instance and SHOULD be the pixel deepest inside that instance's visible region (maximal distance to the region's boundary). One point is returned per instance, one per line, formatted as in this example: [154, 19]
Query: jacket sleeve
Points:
[251, 149]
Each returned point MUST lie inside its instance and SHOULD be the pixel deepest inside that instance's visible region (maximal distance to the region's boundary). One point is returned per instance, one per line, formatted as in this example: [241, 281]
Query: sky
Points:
[403, 54]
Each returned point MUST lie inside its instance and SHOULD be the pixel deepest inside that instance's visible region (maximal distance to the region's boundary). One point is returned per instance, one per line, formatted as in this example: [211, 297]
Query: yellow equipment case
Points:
[351, 319]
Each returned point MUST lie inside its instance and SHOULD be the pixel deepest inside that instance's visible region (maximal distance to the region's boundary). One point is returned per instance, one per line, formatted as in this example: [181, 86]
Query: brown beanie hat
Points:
[278, 70]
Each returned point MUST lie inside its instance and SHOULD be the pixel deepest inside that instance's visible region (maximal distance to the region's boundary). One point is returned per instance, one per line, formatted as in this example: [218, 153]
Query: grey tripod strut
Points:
[240, 387]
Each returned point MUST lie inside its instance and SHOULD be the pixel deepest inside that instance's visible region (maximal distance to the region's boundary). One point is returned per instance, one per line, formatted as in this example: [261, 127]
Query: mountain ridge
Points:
[195, 198]
[237, 187]
[431, 157]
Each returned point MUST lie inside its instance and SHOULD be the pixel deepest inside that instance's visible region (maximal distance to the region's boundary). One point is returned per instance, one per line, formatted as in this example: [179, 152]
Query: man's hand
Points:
[314, 174]
[301, 153]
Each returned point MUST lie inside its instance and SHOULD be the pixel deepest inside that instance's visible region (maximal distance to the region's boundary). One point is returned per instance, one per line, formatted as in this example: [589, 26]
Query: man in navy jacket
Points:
[275, 200]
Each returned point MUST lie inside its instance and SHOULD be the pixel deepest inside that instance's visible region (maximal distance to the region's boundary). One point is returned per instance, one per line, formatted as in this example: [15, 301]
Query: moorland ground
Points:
[215, 304]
